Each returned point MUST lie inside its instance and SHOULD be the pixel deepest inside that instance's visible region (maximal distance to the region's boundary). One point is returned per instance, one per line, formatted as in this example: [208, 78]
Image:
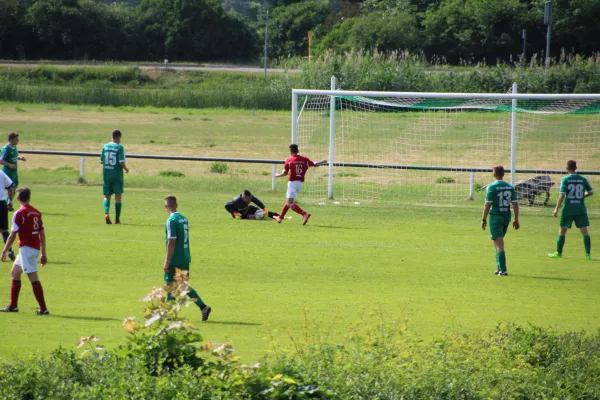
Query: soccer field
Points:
[430, 267]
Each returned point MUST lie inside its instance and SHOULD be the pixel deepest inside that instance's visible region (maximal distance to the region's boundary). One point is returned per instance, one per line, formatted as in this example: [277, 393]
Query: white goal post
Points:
[440, 148]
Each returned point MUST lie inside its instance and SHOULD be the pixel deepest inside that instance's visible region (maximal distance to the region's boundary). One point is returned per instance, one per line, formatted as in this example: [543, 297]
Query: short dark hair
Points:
[247, 193]
[499, 170]
[12, 135]
[171, 201]
[24, 194]
[571, 165]
[116, 133]
[294, 148]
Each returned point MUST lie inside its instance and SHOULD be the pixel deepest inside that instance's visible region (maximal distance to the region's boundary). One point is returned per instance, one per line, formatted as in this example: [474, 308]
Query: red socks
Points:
[38, 292]
[283, 211]
[297, 208]
[15, 288]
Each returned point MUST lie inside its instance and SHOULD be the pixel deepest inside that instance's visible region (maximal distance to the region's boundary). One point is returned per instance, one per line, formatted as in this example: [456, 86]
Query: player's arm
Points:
[319, 163]
[43, 257]
[170, 250]
[588, 189]
[21, 159]
[259, 203]
[7, 164]
[486, 211]
[516, 223]
[561, 198]
[285, 171]
[121, 155]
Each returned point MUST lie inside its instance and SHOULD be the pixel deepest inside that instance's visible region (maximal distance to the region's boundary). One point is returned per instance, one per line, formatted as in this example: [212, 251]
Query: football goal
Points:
[440, 148]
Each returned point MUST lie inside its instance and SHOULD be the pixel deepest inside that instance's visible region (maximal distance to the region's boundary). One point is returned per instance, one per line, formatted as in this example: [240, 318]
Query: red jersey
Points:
[28, 222]
[296, 166]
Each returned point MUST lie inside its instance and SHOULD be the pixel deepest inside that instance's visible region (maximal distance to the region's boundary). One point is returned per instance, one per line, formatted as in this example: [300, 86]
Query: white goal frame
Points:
[514, 97]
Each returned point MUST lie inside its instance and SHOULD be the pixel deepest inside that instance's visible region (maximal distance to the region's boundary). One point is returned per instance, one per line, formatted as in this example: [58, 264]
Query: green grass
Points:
[430, 266]
[408, 257]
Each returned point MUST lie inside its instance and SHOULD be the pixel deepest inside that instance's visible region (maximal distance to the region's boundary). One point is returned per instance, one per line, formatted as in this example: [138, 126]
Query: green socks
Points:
[195, 296]
[106, 206]
[118, 211]
[560, 243]
[587, 242]
[502, 260]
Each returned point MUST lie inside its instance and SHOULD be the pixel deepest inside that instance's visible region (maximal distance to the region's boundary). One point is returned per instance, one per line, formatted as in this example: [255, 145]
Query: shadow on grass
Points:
[79, 317]
[234, 323]
[59, 262]
[550, 278]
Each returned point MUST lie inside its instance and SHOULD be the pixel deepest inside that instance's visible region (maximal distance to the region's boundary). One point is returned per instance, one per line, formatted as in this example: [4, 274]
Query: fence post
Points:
[471, 185]
[331, 140]
[82, 168]
[513, 137]
[274, 179]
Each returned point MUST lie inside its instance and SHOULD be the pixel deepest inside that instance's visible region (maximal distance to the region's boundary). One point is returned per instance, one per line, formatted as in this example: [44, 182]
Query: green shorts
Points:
[110, 188]
[498, 226]
[13, 177]
[581, 221]
[170, 276]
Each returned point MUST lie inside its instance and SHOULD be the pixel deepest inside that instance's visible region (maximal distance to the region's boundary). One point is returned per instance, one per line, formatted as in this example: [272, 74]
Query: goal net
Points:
[440, 148]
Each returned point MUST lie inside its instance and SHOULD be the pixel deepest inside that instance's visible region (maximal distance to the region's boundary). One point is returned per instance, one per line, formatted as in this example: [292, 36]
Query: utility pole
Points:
[548, 23]
[266, 37]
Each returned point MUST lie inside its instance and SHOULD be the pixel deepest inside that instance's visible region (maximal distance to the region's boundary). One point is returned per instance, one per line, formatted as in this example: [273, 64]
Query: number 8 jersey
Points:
[27, 221]
[501, 194]
[574, 187]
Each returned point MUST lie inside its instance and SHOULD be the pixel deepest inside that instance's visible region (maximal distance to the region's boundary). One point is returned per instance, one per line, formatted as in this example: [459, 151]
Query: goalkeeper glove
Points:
[235, 214]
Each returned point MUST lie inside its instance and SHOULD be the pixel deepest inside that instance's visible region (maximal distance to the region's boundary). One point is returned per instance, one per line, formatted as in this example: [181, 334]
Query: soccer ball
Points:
[259, 214]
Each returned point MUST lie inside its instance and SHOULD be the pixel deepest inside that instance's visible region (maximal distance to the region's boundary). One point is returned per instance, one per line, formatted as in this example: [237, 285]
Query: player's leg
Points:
[498, 228]
[15, 179]
[184, 272]
[250, 212]
[289, 201]
[4, 227]
[118, 189]
[15, 287]
[582, 223]
[107, 191]
[29, 257]
[565, 223]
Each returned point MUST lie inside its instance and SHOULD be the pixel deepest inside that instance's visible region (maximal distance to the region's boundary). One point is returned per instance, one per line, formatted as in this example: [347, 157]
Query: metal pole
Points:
[266, 37]
[294, 117]
[471, 185]
[331, 140]
[513, 137]
[524, 36]
[274, 179]
[82, 168]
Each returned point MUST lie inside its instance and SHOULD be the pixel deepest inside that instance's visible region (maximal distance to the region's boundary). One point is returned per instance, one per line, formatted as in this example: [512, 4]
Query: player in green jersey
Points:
[9, 156]
[112, 159]
[574, 188]
[178, 256]
[498, 199]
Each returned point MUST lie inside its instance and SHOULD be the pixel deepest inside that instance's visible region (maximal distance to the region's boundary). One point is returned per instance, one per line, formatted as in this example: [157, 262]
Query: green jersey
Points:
[9, 154]
[112, 156]
[574, 187]
[501, 194]
[177, 228]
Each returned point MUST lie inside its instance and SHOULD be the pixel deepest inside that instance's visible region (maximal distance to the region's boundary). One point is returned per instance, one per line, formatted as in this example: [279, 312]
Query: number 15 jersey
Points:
[27, 221]
[297, 166]
[501, 194]
[111, 157]
[574, 187]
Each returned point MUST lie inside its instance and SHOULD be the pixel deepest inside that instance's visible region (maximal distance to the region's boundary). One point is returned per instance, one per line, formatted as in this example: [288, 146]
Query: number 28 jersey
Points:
[111, 157]
[296, 166]
[501, 194]
[27, 221]
[178, 228]
[574, 188]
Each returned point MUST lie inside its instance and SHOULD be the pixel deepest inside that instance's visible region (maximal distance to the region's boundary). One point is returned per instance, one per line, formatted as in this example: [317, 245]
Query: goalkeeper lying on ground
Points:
[240, 207]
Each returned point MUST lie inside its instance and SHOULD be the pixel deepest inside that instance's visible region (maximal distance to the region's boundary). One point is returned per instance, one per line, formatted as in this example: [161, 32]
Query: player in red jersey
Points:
[296, 166]
[27, 223]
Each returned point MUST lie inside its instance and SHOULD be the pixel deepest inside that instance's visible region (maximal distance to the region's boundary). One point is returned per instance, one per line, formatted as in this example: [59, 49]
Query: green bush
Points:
[219, 167]
[445, 179]
[172, 174]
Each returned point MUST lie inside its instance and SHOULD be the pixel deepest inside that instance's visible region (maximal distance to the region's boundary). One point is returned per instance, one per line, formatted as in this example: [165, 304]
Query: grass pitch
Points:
[428, 266]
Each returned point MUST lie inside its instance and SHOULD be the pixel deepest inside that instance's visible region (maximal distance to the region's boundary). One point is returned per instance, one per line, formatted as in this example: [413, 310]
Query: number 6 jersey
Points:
[574, 187]
[27, 221]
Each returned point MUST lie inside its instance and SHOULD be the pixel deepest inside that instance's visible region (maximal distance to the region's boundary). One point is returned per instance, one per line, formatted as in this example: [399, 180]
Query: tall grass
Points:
[130, 86]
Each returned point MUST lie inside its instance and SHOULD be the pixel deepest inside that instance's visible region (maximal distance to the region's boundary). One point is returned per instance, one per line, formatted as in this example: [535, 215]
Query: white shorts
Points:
[293, 189]
[27, 259]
